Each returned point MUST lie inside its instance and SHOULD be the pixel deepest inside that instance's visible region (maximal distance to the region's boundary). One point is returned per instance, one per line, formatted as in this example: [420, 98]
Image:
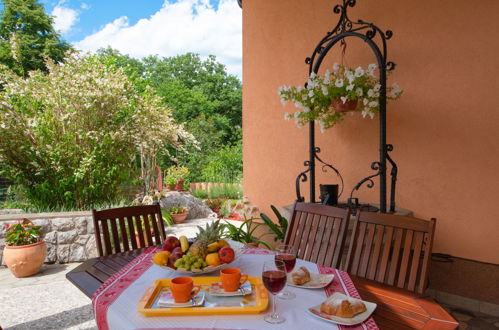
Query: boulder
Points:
[77, 253]
[197, 209]
[44, 224]
[63, 253]
[91, 247]
[66, 237]
[51, 253]
[51, 237]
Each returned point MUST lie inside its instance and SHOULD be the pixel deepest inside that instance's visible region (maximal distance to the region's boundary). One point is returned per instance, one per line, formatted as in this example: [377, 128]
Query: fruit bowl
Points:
[236, 246]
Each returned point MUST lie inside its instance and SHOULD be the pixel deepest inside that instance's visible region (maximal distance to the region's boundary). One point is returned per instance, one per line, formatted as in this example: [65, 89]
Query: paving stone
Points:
[461, 317]
[478, 323]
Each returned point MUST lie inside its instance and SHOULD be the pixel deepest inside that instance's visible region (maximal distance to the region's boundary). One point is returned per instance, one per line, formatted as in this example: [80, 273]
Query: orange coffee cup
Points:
[232, 279]
[183, 289]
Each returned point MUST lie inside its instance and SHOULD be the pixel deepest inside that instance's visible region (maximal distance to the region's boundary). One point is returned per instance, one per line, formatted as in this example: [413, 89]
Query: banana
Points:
[184, 244]
[213, 247]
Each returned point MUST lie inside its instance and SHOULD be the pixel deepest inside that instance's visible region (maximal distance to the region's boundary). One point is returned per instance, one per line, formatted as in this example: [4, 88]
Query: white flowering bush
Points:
[73, 136]
[345, 84]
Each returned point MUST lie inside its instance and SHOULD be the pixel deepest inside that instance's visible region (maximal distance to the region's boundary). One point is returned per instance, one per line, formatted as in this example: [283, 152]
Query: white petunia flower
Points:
[306, 109]
[327, 73]
[370, 93]
[299, 88]
[371, 67]
[336, 66]
[312, 75]
[373, 104]
[283, 101]
[310, 84]
[324, 90]
[365, 101]
[377, 87]
[339, 83]
[359, 72]
[297, 114]
[311, 93]
[359, 92]
[371, 115]
[364, 113]
[298, 105]
[350, 87]
[287, 116]
[304, 97]
[343, 99]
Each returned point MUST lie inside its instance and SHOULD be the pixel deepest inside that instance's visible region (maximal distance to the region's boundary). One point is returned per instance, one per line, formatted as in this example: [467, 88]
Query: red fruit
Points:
[170, 243]
[226, 255]
[177, 249]
[172, 258]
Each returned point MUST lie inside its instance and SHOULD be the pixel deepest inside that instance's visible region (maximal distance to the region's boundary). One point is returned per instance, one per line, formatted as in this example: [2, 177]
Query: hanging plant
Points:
[326, 99]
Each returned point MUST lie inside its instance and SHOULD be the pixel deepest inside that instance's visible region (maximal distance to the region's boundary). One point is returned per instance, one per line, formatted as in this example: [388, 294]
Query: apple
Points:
[226, 255]
[170, 243]
[174, 257]
[178, 249]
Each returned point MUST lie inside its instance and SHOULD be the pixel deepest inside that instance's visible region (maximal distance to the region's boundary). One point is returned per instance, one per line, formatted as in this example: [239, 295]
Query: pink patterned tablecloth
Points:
[116, 285]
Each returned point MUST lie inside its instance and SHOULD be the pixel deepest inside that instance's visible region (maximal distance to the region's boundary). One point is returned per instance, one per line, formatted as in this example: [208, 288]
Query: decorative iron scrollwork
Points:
[376, 166]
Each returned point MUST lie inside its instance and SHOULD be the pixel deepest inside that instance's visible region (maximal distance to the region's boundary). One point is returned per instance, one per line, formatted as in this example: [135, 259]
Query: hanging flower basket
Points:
[347, 106]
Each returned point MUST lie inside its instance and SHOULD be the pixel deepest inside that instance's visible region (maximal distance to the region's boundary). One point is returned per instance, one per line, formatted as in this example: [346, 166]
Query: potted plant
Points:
[178, 173]
[178, 213]
[326, 99]
[25, 251]
[171, 182]
[280, 227]
[244, 233]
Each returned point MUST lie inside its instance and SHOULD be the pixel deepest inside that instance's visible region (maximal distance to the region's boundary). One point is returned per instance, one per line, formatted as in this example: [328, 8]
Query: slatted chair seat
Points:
[128, 228]
[391, 249]
[318, 233]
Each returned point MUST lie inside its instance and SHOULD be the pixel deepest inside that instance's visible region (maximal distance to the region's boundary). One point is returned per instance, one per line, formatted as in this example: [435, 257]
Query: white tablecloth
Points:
[121, 312]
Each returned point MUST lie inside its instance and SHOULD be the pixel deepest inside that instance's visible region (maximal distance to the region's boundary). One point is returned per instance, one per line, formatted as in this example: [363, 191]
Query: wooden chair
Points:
[391, 249]
[318, 232]
[128, 228]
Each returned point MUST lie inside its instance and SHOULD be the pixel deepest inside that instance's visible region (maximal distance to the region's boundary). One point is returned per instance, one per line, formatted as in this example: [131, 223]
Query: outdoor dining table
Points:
[117, 282]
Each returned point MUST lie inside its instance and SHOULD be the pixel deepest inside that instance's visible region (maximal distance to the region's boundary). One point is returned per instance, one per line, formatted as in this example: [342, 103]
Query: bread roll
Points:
[346, 308]
[301, 276]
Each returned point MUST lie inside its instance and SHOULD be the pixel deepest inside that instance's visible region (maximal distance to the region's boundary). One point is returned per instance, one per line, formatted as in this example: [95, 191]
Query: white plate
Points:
[359, 318]
[166, 300]
[216, 289]
[316, 281]
[236, 246]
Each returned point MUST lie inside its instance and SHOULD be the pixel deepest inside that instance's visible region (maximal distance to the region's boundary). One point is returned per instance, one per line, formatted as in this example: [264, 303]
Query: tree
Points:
[27, 37]
[71, 137]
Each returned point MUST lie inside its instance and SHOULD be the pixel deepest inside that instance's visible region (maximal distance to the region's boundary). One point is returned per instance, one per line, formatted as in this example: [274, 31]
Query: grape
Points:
[196, 265]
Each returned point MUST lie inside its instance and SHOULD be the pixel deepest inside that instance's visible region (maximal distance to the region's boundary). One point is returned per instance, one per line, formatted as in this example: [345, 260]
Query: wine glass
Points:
[286, 254]
[274, 278]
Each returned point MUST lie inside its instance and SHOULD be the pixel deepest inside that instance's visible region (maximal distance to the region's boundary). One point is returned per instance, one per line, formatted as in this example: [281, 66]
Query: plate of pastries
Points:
[344, 310]
[302, 278]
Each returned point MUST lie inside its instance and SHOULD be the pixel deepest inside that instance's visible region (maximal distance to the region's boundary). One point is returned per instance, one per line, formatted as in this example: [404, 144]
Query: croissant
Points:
[347, 308]
[301, 276]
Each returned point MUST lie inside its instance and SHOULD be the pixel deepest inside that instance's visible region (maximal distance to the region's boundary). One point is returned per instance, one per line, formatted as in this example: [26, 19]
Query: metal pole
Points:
[382, 140]
[312, 160]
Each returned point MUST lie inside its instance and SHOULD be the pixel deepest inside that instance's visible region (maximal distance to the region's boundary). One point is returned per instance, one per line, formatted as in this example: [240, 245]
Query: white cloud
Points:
[177, 28]
[84, 6]
[64, 18]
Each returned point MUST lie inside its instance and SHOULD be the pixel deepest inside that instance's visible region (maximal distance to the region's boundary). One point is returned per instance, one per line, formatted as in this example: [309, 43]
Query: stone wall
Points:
[69, 236]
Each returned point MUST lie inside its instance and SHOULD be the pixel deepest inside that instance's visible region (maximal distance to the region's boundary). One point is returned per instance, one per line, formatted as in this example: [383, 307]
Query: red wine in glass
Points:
[274, 280]
[288, 259]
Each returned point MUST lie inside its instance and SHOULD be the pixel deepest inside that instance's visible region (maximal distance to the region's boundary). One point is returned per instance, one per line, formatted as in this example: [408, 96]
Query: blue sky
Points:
[153, 27]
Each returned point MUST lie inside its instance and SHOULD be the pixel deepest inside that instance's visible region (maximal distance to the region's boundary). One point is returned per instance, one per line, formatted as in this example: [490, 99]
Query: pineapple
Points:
[205, 237]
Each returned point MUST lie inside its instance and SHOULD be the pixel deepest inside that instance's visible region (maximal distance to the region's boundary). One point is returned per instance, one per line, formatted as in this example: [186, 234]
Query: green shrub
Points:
[200, 194]
[72, 137]
[225, 165]
[226, 191]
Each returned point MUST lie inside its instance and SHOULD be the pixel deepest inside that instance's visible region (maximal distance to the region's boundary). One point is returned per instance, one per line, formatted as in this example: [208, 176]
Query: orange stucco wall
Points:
[445, 128]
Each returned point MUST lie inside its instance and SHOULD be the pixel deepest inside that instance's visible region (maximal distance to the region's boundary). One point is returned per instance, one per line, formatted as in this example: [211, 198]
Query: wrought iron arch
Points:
[346, 28]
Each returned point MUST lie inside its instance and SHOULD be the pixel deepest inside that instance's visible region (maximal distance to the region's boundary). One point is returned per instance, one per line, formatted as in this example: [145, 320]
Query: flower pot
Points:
[179, 218]
[180, 185]
[25, 260]
[349, 105]
[172, 187]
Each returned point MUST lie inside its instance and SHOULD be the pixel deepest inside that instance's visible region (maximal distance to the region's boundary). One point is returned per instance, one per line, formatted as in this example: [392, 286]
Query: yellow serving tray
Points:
[250, 304]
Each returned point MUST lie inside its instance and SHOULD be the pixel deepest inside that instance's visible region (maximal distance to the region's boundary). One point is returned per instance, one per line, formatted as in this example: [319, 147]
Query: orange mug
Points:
[232, 279]
[182, 289]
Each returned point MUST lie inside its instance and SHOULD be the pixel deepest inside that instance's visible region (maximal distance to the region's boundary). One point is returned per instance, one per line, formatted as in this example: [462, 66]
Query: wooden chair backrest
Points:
[318, 233]
[391, 249]
[128, 228]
